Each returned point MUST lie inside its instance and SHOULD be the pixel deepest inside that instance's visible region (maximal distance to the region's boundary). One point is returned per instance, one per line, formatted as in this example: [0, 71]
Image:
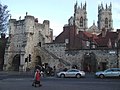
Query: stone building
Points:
[105, 17]
[24, 35]
[93, 48]
[90, 49]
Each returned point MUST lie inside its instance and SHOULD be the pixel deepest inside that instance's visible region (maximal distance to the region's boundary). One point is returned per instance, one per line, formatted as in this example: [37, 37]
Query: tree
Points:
[4, 15]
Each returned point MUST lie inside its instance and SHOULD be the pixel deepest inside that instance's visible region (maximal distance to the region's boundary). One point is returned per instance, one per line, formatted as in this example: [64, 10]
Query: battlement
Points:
[76, 7]
[12, 20]
[46, 22]
[102, 8]
[29, 17]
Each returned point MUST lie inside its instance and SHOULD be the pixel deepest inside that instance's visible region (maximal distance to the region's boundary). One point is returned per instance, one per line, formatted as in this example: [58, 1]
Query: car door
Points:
[108, 73]
[70, 73]
[115, 72]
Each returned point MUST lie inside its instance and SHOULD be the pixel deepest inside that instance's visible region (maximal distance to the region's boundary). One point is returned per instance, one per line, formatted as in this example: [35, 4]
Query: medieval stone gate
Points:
[89, 62]
[16, 62]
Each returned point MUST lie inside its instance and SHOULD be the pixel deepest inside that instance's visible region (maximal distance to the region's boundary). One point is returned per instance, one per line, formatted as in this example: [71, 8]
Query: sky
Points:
[59, 11]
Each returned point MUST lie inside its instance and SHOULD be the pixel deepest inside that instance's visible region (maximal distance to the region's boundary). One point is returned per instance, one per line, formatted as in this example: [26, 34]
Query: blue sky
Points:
[59, 11]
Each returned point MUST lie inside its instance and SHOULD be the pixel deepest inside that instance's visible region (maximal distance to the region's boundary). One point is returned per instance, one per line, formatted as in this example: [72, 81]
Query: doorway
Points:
[16, 62]
[89, 62]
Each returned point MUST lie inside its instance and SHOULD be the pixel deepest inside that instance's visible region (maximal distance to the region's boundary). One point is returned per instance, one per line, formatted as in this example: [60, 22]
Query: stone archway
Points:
[16, 62]
[89, 62]
[38, 61]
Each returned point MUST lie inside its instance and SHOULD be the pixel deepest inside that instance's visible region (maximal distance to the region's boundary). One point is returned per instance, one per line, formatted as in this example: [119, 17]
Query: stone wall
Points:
[76, 57]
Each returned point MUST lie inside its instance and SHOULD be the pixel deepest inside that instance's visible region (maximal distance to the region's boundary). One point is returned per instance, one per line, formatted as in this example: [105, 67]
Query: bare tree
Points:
[4, 15]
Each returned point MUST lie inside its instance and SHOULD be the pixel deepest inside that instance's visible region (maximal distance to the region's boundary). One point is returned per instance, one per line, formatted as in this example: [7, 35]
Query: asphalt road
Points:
[53, 83]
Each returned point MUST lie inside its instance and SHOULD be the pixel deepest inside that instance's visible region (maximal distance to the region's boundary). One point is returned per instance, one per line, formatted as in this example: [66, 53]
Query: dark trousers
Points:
[35, 83]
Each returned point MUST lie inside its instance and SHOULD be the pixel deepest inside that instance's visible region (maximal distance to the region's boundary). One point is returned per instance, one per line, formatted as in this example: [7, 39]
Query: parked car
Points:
[71, 73]
[111, 72]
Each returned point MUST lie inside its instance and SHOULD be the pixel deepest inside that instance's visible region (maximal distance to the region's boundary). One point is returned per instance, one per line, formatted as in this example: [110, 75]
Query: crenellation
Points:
[24, 35]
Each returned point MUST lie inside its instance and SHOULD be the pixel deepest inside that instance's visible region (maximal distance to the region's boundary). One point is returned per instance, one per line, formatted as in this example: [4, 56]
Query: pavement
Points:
[13, 74]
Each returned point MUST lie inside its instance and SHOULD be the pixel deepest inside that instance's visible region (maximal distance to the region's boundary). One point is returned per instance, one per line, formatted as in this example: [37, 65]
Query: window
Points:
[106, 22]
[81, 22]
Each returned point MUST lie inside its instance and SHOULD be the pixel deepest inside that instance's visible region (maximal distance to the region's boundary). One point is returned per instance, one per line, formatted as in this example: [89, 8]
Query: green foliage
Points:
[4, 15]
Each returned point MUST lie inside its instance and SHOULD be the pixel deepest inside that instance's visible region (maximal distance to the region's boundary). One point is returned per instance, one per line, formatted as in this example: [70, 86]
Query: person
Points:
[37, 78]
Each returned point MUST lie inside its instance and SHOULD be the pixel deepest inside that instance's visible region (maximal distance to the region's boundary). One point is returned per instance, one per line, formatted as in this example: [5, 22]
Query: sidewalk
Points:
[13, 74]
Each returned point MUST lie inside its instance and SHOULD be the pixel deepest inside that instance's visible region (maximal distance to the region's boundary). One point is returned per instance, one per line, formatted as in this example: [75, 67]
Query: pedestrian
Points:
[37, 77]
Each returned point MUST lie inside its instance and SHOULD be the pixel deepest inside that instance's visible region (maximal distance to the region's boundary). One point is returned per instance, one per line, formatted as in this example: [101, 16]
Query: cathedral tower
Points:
[80, 17]
[105, 17]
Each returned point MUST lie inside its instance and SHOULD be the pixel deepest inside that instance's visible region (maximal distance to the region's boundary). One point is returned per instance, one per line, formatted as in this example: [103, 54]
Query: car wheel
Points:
[62, 75]
[101, 76]
[119, 76]
[78, 75]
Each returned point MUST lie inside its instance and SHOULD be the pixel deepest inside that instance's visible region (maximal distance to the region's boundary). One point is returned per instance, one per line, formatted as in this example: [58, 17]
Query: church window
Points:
[106, 22]
[81, 22]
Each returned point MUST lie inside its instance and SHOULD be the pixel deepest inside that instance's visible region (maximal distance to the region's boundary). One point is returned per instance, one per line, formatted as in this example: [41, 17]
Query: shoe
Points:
[33, 84]
[40, 85]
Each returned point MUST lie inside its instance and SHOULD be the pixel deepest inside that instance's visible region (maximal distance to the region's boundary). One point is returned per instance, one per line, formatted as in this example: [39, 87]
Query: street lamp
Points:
[117, 53]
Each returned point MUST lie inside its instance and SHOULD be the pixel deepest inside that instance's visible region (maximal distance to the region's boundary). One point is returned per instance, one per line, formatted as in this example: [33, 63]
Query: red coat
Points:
[37, 76]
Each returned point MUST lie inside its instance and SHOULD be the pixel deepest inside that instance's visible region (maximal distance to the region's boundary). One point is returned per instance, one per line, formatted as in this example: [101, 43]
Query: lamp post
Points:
[117, 53]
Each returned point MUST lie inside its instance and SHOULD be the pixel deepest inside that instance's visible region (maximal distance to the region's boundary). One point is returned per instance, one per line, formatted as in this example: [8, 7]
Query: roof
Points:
[104, 39]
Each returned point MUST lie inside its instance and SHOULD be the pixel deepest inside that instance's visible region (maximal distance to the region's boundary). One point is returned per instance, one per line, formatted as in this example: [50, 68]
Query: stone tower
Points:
[24, 36]
[80, 17]
[105, 17]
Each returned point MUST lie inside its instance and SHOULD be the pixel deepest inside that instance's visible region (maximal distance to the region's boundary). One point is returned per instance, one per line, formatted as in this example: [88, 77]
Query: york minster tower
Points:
[105, 17]
[80, 17]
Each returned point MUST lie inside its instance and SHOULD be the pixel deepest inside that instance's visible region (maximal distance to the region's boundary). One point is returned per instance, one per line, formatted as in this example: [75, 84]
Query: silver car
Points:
[112, 72]
[71, 73]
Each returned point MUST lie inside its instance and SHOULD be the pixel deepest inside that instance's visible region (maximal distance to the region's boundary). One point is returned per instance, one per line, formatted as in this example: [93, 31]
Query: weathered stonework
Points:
[24, 36]
[77, 57]
[30, 44]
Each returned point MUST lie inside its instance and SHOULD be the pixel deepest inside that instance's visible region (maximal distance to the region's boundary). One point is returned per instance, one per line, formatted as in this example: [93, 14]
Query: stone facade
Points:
[80, 18]
[96, 59]
[30, 44]
[24, 35]
[105, 17]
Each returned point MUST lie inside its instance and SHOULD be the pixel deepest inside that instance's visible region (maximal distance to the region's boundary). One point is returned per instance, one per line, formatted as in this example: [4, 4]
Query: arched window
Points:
[81, 22]
[106, 22]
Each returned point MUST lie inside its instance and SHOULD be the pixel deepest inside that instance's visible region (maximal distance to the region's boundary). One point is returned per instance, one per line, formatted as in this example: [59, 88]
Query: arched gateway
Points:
[38, 61]
[16, 62]
[89, 62]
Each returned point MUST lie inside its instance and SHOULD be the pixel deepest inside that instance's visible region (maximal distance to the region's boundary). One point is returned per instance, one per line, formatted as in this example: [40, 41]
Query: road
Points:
[53, 83]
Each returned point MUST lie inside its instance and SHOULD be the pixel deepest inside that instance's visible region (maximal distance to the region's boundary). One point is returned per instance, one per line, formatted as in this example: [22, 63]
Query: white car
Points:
[71, 73]
[112, 72]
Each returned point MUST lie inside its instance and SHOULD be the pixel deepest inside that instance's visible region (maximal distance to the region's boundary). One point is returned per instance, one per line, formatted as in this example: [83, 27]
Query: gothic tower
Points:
[80, 17]
[105, 17]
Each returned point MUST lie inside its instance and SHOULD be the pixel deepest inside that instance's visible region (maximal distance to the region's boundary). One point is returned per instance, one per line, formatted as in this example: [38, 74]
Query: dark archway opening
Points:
[38, 61]
[89, 62]
[16, 62]
[103, 66]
